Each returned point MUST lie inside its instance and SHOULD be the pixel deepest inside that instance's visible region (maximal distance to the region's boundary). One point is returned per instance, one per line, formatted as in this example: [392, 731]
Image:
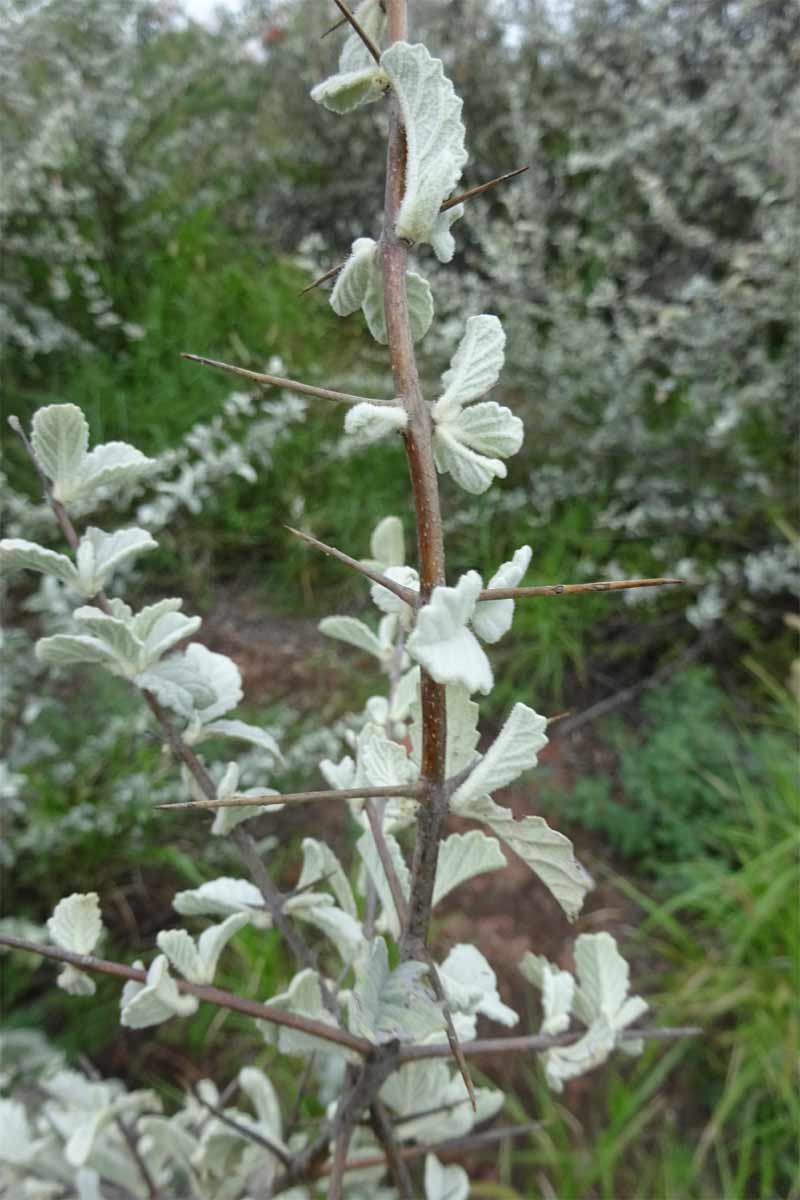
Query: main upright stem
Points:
[430, 541]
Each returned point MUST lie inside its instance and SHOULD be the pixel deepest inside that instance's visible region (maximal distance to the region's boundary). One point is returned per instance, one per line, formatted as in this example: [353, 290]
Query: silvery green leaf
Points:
[462, 856]
[406, 694]
[492, 618]
[338, 775]
[177, 685]
[343, 93]
[146, 620]
[116, 634]
[603, 982]
[220, 675]
[387, 544]
[114, 463]
[558, 989]
[164, 633]
[371, 18]
[441, 641]
[475, 367]
[389, 602]
[223, 897]
[17, 555]
[441, 239]
[100, 554]
[339, 927]
[368, 852]
[87, 1182]
[197, 961]
[156, 1000]
[465, 969]
[303, 997]
[242, 732]
[514, 750]
[320, 865]
[420, 306]
[264, 1099]
[473, 472]
[353, 280]
[386, 1004]
[405, 1090]
[76, 982]
[462, 730]
[60, 439]
[65, 650]
[444, 1183]
[567, 1062]
[382, 762]
[488, 428]
[435, 153]
[368, 423]
[18, 1146]
[354, 632]
[76, 923]
[549, 854]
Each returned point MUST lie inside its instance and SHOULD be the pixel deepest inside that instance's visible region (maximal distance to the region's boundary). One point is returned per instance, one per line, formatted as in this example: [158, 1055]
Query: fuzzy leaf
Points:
[420, 306]
[492, 618]
[390, 603]
[339, 927]
[303, 997]
[100, 554]
[475, 367]
[60, 439]
[76, 923]
[368, 423]
[387, 544]
[435, 153]
[222, 897]
[354, 632]
[557, 988]
[114, 463]
[514, 750]
[76, 982]
[368, 851]
[156, 1000]
[264, 1099]
[354, 278]
[465, 968]
[487, 428]
[320, 865]
[603, 979]
[473, 472]
[341, 93]
[197, 961]
[462, 856]
[441, 239]
[441, 641]
[65, 650]
[549, 854]
[444, 1183]
[17, 555]
[242, 732]
[220, 675]
[386, 1004]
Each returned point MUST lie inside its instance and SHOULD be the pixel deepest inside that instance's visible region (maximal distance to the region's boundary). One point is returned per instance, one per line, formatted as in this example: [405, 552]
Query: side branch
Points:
[379, 793]
[538, 1041]
[290, 385]
[212, 995]
[575, 589]
[405, 593]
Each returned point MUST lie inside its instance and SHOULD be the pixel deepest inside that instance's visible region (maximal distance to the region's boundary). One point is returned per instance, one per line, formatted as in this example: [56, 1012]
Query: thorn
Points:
[323, 278]
[291, 385]
[482, 187]
[333, 28]
[407, 594]
[362, 33]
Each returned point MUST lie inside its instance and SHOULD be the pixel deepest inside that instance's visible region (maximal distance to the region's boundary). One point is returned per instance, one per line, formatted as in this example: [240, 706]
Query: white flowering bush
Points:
[381, 1025]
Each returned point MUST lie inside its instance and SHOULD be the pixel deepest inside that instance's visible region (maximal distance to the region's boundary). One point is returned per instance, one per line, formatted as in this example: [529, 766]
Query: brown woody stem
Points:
[211, 995]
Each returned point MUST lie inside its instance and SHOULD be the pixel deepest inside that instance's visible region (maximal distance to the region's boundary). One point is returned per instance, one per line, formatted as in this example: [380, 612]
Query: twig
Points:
[450, 1029]
[329, 274]
[290, 385]
[574, 589]
[59, 512]
[384, 1132]
[205, 992]
[339, 1164]
[406, 789]
[481, 188]
[538, 1041]
[398, 898]
[254, 1136]
[405, 593]
[451, 1145]
[362, 33]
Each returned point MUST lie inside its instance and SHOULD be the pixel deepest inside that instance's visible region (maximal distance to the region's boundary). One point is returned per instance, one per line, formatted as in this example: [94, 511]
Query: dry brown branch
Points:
[574, 589]
[407, 594]
[410, 789]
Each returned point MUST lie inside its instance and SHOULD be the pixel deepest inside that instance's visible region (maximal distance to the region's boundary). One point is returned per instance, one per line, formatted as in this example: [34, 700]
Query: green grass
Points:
[716, 1117]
